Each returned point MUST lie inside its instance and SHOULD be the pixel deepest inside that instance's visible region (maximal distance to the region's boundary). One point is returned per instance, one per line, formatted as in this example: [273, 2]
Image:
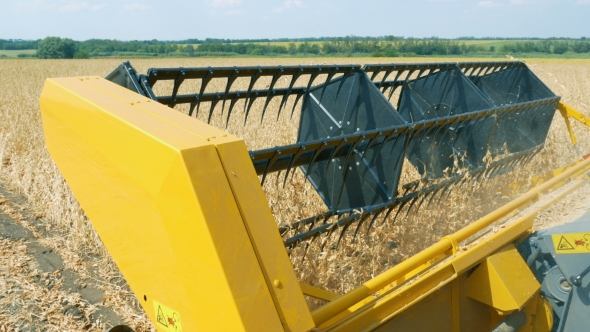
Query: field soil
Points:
[55, 274]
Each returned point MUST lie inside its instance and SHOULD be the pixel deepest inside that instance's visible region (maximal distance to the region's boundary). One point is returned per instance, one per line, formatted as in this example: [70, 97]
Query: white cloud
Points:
[233, 12]
[98, 7]
[489, 4]
[288, 4]
[35, 5]
[73, 6]
[224, 3]
[136, 7]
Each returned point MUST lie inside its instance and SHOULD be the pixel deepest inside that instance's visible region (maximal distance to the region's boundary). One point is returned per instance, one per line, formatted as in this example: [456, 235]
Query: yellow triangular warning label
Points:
[160, 317]
[564, 245]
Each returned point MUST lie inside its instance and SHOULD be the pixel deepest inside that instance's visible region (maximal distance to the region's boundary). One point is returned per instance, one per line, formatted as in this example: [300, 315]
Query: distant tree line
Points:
[18, 44]
[397, 47]
[55, 47]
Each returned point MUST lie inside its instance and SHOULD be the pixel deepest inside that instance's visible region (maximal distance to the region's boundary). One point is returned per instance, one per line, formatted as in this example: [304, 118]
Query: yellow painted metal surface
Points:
[157, 192]
[573, 113]
[543, 319]
[569, 112]
[317, 293]
[503, 281]
[266, 240]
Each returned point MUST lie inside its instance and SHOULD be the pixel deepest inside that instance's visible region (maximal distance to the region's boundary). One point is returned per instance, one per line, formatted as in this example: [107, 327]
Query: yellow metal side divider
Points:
[569, 112]
[179, 207]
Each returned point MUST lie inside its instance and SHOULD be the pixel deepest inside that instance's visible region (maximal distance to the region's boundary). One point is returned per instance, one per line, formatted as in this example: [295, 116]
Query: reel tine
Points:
[344, 77]
[434, 192]
[253, 80]
[375, 72]
[307, 244]
[390, 209]
[213, 104]
[442, 193]
[230, 81]
[193, 105]
[271, 91]
[342, 232]
[283, 101]
[295, 103]
[275, 78]
[250, 102]
[315, 156]
[413, 201]
[272, 160]
[231, 107]
[424, 197]
[291, 161]
[328, 78]
[399, 73]
[204, 81]
[268, 99]
[437, 75]
[401, 206]
[294, 79]
[360, 222]
[327, 237]
[375, 216]
[385, 140]
[313, 77]
[393, 88]
[387, 73]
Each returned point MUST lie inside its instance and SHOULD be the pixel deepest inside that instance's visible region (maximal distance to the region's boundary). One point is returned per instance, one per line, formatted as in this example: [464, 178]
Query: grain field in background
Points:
[27, 168]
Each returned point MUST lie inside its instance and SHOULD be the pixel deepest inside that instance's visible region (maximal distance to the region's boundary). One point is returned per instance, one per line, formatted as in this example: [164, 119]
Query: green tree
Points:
[81, 55]
[190, 50]
[56, 48]
[560, 47]
[292, 48]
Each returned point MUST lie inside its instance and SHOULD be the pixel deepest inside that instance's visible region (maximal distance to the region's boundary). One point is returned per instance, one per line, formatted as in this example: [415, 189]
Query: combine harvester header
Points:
[179, 204]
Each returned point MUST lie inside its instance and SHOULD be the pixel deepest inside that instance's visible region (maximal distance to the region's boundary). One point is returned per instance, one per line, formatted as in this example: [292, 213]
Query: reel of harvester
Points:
[179, 204]
[360, 124]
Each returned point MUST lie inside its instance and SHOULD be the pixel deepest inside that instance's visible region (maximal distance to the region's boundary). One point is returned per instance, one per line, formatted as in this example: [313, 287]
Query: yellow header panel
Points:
[158, 196]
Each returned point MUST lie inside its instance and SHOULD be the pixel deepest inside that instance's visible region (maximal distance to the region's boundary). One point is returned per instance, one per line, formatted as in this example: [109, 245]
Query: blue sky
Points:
[238, 19]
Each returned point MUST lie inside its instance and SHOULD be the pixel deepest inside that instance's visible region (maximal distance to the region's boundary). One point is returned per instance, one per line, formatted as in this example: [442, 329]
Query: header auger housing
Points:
[179, 204]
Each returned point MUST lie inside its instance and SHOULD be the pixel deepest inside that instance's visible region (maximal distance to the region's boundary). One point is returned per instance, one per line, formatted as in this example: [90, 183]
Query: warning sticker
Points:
[167, 319]
[573, 243]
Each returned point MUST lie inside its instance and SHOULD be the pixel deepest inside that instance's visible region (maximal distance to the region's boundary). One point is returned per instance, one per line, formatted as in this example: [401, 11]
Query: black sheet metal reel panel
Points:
[359, 124]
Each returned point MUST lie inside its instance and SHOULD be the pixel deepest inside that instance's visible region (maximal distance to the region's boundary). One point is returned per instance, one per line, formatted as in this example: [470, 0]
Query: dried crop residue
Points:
[45, 286]
[26, 168]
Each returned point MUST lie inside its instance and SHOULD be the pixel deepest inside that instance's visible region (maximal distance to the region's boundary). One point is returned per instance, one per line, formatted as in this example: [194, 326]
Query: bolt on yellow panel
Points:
[503, 281]
[161, 203]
